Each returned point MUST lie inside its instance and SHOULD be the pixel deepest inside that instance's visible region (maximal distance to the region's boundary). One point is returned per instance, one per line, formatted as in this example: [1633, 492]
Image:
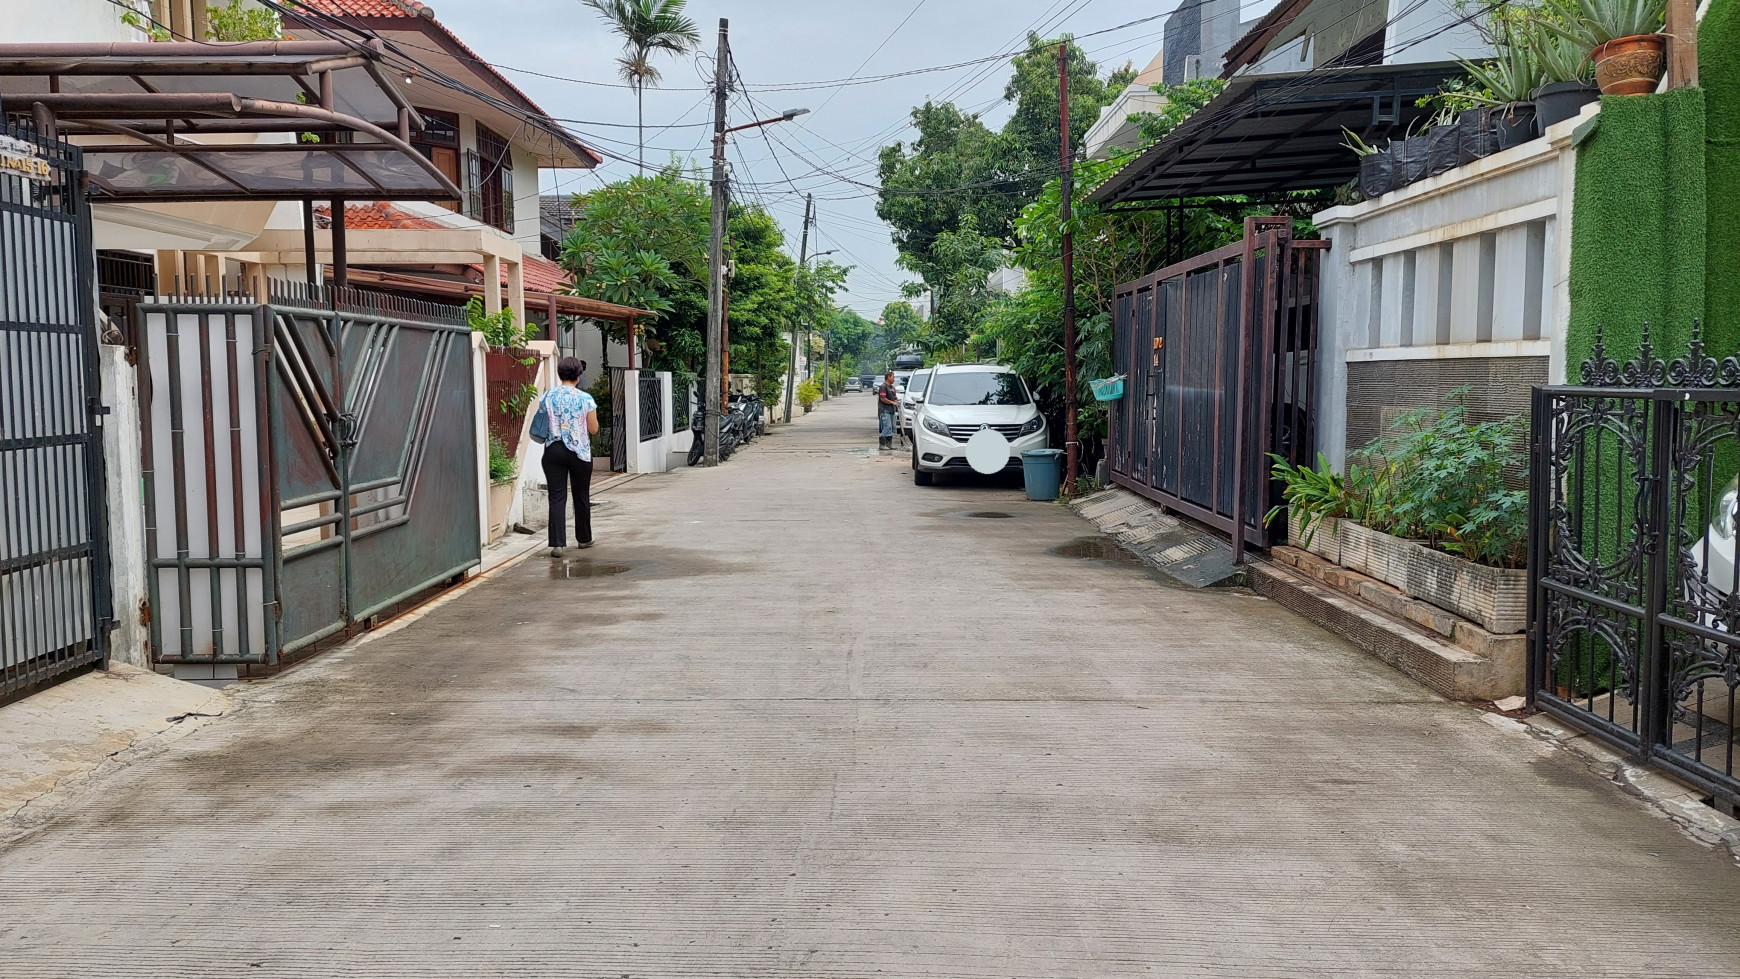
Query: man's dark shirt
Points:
[887, 399]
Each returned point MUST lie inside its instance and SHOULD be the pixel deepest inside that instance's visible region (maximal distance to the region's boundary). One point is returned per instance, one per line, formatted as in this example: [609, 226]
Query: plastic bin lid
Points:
[1041, 453]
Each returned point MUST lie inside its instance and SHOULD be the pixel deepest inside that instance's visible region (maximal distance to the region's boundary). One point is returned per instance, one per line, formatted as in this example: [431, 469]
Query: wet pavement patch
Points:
[988, 514]
[1095, 548]
[586, 569]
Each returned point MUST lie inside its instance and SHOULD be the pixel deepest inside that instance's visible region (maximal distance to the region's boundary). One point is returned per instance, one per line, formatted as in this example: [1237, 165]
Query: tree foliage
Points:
[1182, 101]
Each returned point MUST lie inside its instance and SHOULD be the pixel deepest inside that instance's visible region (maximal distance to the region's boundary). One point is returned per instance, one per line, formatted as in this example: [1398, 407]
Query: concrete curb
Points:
[1681, 804]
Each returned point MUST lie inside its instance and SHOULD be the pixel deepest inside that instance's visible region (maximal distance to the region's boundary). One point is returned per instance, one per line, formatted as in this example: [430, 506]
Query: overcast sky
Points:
[787, 41]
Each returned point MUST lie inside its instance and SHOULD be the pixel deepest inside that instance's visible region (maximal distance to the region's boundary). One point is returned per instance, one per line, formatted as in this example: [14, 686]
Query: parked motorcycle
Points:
[731, 433]
[755, 411]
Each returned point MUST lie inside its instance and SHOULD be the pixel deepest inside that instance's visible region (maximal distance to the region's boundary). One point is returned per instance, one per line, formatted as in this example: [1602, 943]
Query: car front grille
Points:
[960, 462]
[963, 432]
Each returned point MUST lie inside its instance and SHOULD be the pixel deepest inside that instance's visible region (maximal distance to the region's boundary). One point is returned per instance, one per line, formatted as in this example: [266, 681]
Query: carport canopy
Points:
[1266, 135]
[199, 121]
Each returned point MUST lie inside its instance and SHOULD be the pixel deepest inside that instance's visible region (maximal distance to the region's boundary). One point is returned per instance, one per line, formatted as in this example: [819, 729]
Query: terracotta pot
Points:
[1630, 65]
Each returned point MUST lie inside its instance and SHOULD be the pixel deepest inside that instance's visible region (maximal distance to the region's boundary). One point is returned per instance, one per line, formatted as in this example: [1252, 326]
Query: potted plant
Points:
[1508, 84]
[1377, 169]
[1411, 160]
[1567, 75]
[510, 371]
[1622, 36]
[808, 394]
[1443, 142]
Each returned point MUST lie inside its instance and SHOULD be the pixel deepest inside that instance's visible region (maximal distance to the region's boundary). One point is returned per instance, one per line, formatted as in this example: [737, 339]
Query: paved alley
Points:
[797, 717]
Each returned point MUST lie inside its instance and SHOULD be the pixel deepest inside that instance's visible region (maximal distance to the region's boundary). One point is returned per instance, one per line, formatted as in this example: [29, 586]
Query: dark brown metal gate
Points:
[54, 569]
[309, 463]
[1219, 353]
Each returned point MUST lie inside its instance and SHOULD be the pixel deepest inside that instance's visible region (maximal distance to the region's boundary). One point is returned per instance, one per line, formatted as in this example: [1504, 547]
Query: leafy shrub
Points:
[501, 465]
[498, 328]
[1434, 477]
[808, 393]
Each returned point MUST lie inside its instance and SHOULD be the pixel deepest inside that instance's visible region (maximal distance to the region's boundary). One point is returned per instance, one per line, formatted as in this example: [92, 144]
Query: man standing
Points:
[887, 410]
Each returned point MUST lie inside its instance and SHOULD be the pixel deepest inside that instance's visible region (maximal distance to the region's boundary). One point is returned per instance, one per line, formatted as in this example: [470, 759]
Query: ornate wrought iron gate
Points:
[1219, 356]
[1634, 595]
[309, 463]
[54, 568]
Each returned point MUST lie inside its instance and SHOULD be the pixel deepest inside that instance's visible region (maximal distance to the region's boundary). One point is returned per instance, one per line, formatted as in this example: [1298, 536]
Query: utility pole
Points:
[825, 353]
[803, 256]
[716, 261]
[1070, 445]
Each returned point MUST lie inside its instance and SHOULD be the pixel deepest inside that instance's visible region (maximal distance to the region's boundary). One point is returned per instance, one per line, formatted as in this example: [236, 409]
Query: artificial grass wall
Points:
[1719, 74]
[1638, 233]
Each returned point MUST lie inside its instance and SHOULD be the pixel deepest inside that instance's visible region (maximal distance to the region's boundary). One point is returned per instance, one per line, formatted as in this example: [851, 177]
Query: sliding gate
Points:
[309, 463]
[1219, 353]
[54, 575]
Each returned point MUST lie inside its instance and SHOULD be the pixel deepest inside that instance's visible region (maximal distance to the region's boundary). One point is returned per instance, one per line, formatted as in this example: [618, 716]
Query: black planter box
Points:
[1516, 124]
[1557, 101]
[1443, 149]
[1411, 159]
[1377, 174]
[1478, 132]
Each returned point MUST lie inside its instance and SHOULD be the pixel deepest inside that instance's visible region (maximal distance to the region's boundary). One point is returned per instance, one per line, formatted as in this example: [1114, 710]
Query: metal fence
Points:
[309, 462]
[54, 567]
[1634, 612]
[618, 420]
[652, 406]
[1218, 353]
[682, 399]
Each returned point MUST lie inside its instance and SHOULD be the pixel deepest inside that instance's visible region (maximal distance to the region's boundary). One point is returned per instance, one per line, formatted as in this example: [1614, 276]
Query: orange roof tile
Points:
[370, 8]
[375, 216]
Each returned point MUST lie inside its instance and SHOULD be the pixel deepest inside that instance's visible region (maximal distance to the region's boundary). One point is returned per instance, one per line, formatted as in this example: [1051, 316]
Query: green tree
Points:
[1182, 101]
[901, 325]
[640, 242]
[763, 298]
[647, 27]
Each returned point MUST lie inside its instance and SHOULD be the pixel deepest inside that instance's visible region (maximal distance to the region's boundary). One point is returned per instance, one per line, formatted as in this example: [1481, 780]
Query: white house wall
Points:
[1458, 279]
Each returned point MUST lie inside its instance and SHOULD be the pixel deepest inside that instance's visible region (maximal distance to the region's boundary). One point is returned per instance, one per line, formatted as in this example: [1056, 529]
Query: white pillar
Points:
[480, 412]
[630, 420]
[128, 574]
[516, 275]
[491, 284]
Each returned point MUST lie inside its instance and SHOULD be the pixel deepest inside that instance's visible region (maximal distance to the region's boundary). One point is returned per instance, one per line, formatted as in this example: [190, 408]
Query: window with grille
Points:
[490, 180]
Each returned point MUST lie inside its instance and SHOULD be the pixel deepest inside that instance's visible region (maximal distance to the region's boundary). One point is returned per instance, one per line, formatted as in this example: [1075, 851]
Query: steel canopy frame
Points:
[138, 91]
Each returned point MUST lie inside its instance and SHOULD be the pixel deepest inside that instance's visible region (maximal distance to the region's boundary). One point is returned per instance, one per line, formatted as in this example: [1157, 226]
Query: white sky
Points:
[776, 41]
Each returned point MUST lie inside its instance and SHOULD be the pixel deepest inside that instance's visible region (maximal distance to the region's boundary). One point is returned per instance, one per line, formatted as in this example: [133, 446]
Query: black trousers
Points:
[562, 467]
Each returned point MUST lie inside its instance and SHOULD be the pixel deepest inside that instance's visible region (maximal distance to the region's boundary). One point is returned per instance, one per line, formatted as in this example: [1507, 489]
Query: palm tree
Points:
[647, 27]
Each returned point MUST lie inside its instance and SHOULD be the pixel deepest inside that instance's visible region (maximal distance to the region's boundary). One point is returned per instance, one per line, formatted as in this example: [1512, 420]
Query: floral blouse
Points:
[568, 407]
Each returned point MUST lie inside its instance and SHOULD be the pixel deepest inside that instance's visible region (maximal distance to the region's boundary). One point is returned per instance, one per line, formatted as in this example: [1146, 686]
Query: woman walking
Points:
[568, 456]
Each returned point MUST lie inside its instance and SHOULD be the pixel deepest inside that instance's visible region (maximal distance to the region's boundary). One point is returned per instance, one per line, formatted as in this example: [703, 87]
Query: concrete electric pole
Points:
[803, 256]
[711, 386]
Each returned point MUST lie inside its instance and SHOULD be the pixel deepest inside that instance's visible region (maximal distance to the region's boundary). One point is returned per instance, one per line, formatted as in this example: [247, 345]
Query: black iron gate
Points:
[54, 568]
[310, 462]
[1219, 355]
[1634, 618]
[618, 420]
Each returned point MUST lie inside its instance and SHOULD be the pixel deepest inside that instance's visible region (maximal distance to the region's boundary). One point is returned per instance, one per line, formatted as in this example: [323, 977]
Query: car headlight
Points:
[1034, 424]
[1723, 520]
[932, 425]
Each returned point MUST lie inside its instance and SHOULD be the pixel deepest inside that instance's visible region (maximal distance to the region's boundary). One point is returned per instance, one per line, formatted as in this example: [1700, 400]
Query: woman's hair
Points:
[568, 369]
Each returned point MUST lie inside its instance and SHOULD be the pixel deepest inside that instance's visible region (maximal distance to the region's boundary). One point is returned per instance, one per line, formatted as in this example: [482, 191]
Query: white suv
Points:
[914, 390]
[962, 399]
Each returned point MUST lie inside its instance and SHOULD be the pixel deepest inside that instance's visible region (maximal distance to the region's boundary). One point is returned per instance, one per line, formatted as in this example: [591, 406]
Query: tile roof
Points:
[375, 216]
[370, 8]
[540, 274]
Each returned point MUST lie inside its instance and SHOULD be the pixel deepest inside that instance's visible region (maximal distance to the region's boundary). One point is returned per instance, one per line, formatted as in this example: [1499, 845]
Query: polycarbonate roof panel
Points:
[287, 174]
[354, 93]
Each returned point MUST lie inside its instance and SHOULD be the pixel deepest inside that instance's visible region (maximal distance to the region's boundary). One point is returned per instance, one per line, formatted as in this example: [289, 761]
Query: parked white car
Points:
[853, 384]
[1714, 556]
[914, 389]
[959, 401]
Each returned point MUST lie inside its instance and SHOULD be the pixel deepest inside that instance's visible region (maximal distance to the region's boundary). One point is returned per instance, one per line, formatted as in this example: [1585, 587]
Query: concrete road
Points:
[798, 717]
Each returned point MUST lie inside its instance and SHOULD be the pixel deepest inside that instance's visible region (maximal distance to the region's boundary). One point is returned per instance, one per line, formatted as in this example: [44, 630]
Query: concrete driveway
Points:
[798, 717]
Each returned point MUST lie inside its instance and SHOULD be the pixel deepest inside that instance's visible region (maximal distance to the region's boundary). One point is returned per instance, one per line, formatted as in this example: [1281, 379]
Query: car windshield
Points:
[916, 384]
[978, 388]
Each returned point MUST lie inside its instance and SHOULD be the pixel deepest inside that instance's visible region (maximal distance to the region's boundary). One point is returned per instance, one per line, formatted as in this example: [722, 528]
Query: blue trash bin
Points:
[1043, 471]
